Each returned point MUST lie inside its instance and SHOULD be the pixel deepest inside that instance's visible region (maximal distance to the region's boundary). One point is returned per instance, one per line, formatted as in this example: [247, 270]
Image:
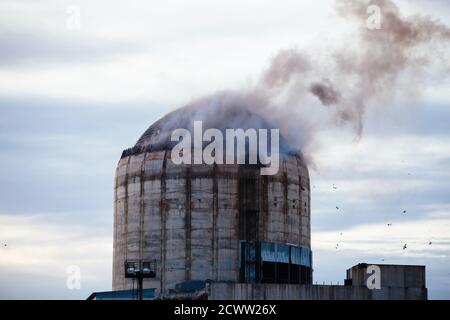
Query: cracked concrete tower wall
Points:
[210, 222]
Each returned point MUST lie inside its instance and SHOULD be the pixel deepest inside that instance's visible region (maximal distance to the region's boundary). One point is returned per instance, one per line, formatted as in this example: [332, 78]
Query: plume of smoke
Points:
[294, 88]
[325, 92]
[400, 45]
[287, 64]
[355, 79]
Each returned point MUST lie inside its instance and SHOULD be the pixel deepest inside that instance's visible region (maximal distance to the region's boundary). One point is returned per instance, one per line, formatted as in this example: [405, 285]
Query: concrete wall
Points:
[245, 291]
[391, 275]
[187, 217]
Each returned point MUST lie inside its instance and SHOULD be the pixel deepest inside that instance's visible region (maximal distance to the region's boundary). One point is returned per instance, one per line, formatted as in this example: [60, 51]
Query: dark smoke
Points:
[325, 93]
[286, 65]
[291, 92]
[402, 44]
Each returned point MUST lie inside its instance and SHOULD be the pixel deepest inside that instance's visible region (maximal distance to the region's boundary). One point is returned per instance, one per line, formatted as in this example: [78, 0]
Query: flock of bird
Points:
[405, 246]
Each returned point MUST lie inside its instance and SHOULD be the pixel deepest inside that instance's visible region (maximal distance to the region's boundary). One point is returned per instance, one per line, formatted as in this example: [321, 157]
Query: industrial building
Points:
[224, 231]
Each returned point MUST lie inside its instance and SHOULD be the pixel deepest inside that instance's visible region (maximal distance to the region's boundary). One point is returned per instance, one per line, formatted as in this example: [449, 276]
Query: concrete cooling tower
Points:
[212, 223]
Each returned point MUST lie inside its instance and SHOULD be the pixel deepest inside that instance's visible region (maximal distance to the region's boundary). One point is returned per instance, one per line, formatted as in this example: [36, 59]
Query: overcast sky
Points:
[71, 99]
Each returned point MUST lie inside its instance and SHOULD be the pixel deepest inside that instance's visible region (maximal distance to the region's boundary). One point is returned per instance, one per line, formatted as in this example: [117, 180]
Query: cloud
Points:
[72, 101]
[337, 250]
[57, 153]
[42, 246]
[379, 177]
[383, 240]
[31, 50]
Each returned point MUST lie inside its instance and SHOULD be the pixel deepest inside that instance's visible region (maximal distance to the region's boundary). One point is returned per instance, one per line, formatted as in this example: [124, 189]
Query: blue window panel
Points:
[305, 257]
[296, 255]
[268, 252]
[274, 252]
[282, 253]
[278, 252]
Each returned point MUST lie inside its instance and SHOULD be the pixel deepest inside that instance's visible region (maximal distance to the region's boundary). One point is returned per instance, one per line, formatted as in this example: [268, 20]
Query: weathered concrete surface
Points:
[391, 275]
[189, 219]
[246, 291]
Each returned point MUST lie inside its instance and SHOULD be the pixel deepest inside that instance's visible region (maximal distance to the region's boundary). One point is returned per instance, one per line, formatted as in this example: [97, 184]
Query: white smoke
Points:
[295, 88]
